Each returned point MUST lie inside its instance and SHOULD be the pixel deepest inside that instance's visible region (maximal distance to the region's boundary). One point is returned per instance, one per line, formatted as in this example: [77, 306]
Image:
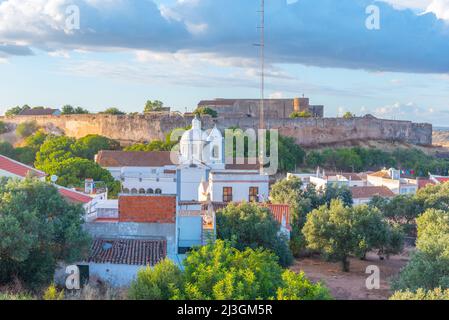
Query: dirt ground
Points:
[351, 285]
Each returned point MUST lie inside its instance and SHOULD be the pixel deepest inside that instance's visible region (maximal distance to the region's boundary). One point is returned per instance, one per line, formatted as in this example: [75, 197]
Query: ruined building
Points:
[273, 108]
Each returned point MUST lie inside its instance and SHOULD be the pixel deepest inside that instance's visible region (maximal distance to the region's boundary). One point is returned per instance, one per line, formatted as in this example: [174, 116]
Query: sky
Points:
[124, 52]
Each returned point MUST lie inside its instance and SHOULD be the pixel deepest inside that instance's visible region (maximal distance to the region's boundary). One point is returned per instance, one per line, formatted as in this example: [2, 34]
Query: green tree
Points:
[26, 129]
[206, 111]
[16, 110]
[301, 202]
[429, 266]
[434, 197]
[153, 106]
[332, 231]
[68, 109]
[249, 225]
[158, 283]
[54, 149]
[342, 193]
[113, 111]
[38, 228]
[90, 145]
[300, 114]
[348, 115]
[221, 272]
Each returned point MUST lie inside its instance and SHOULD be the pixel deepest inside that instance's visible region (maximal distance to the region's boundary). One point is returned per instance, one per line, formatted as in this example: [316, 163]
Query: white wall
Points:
[190, 179]
[240, 186]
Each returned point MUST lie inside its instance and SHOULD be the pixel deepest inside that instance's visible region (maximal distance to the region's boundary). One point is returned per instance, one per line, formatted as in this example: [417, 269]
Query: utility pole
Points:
[262, 65]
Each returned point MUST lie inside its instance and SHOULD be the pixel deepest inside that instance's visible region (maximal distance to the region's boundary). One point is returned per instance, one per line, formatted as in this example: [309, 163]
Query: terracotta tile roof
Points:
[38, 112]
[74, 196]
[381, 174]
[133, 159]
[128, 251]
[369, 192]
[422, 183]
[442, 180]
[352, 176]
[18, 168]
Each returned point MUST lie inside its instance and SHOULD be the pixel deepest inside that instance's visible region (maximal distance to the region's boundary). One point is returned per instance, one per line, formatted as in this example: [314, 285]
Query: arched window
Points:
[126, 191]
[150, 191]
[215, 152]
[142, 191]
[158, 191]
[134, 191]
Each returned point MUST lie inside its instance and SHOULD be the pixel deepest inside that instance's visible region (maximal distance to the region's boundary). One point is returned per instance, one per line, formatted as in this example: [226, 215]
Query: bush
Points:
[249, 225]
[421, 294]
[206, 111]
[3, 127]
[26, 129]
[52, 293]
[158, 283]
[298, 287]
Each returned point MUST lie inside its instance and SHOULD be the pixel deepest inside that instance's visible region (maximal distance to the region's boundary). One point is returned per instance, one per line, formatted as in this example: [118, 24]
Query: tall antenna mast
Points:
[262, 65]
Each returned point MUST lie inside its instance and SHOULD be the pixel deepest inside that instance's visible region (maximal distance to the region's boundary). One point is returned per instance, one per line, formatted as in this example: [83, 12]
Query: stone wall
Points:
[307, 132]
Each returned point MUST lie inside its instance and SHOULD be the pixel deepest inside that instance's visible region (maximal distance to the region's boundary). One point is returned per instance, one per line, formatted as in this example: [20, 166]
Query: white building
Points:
[392, 179]
[196, 172]
[321, 180]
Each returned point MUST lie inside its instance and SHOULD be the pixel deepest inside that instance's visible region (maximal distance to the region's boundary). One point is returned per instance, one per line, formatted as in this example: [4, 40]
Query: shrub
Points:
[3, 127]
[52, 293]
[206, 111]
[26, 129]
[158, 283]
[421, 294]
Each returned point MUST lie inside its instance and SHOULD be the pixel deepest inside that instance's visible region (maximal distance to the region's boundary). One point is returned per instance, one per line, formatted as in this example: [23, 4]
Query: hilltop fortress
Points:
[308, 132]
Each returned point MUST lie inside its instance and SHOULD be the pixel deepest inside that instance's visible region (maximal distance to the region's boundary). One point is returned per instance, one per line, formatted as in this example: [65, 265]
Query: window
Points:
[227, 194]
[126, 191]
[215, 152]
[142, 191]
[158, 191]
[150, 191]
[134, 191]
[253, 194]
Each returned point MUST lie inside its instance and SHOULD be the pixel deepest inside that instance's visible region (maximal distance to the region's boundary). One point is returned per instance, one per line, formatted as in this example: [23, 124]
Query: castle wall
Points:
[306, 132]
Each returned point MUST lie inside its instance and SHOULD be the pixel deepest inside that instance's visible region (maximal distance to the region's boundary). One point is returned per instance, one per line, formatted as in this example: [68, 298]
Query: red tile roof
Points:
[74, 196]
[442, 180]
[18, 169]
[422, 183]
[128, 251]
[134, 159]
[370, 192]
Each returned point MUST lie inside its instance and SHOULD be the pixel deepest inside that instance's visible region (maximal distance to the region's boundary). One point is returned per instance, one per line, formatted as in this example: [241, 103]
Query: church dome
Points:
[195, 134]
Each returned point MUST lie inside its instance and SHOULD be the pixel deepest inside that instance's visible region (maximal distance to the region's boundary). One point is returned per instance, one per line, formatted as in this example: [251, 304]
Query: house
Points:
[40, 112]
[392, 179]
[321, 179]
[363, 195]
[432, 180]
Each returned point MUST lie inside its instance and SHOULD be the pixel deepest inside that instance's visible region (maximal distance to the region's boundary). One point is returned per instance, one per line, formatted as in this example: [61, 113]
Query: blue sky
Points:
[183, 51]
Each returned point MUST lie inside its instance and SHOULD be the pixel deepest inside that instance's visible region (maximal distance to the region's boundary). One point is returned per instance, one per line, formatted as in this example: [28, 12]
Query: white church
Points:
[197, 172]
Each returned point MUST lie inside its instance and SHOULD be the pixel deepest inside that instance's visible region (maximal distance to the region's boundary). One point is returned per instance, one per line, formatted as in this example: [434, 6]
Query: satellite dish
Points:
[54, 178]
